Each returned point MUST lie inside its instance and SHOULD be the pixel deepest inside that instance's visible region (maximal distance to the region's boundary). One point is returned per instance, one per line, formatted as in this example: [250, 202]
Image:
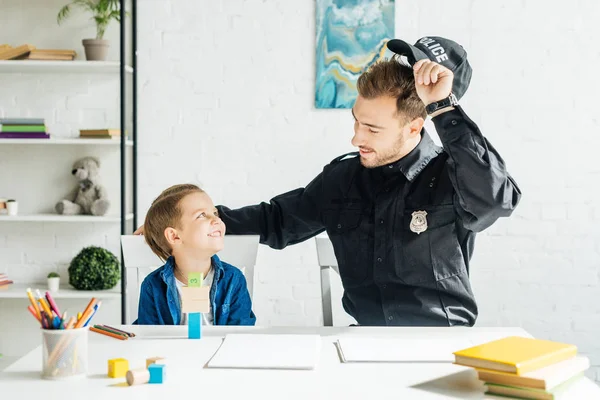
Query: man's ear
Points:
[172, 236]
[415, 126]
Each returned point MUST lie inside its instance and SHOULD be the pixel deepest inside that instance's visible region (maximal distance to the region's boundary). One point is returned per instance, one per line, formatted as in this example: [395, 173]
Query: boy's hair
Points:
[394, 79]
[163, 213]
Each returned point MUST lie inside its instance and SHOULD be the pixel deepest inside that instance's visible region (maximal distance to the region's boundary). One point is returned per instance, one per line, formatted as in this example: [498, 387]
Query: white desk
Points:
[187, 375]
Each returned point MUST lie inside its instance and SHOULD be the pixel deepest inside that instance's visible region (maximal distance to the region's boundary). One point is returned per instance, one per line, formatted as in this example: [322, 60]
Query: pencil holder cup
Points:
[65, 353]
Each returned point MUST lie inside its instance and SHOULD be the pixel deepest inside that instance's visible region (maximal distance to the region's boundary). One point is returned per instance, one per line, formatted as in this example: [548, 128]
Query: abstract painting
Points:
[351, 35]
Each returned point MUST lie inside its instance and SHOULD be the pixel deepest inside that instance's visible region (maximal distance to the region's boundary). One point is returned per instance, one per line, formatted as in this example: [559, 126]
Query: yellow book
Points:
[99, 132]
[515, 354]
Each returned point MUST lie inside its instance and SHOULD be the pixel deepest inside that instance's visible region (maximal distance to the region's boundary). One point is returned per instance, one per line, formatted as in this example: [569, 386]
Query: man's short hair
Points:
[390, 77]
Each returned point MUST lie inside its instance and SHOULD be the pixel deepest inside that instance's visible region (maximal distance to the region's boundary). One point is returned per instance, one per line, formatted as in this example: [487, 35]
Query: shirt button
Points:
[339, 226]
[384, 286]
[391, 166]
[379, 259]
[454, 122]
[381, 221]
[391, 317]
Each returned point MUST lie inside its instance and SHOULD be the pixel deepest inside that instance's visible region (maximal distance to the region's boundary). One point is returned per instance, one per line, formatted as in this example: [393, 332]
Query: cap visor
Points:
[412, 53]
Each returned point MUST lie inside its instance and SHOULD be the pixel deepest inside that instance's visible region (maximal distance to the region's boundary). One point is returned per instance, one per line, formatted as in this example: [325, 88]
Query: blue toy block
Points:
[194, 326]
[158, 373]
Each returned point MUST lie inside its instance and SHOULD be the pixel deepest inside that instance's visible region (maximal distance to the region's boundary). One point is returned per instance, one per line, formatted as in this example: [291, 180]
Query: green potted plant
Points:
[103, 11]
[94, 268]
[53, 281]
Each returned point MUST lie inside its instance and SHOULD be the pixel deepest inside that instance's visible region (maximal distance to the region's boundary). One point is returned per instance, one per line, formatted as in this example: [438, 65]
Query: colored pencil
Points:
[107, 333]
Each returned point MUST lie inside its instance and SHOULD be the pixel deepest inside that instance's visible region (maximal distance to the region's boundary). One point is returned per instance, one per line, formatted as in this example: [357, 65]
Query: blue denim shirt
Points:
[229, 297]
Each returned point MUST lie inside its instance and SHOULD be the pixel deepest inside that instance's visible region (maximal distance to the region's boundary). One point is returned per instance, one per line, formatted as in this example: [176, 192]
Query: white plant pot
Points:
[12, 207]
[53, 284]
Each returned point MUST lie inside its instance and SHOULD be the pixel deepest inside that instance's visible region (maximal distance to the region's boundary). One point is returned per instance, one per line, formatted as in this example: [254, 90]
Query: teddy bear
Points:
[89, 197]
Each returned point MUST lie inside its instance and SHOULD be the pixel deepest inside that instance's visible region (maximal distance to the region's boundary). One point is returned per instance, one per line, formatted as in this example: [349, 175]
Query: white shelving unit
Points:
[29, 66]
[66, 141]
[62, 218]
[19, 291]
[23, 69]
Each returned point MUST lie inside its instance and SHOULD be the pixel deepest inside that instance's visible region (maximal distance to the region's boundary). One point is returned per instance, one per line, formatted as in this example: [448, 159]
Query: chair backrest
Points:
[328, 263]
[139, 261]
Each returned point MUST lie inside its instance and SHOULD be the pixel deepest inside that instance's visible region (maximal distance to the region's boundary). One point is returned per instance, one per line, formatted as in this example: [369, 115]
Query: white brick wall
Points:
[226, 100]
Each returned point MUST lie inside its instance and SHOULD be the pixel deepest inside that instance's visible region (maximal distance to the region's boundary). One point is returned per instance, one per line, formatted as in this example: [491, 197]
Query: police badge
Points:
[418, 223]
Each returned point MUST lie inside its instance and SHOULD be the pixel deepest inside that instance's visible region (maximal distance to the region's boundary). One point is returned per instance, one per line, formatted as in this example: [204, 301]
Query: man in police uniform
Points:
[402, 213]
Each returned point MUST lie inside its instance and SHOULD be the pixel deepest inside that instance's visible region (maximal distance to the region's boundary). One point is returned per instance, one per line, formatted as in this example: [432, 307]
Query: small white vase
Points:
[53, 284]
[12, 207]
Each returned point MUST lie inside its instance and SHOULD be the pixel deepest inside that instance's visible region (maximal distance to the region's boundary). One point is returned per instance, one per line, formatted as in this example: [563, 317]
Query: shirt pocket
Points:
[344, 230]
[433, 254]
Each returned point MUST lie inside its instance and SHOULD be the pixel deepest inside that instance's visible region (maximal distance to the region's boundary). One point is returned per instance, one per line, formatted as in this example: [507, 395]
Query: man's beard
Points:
[388, 156]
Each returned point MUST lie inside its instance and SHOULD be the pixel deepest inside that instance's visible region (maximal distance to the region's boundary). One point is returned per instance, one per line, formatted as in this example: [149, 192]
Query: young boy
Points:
[184, 229]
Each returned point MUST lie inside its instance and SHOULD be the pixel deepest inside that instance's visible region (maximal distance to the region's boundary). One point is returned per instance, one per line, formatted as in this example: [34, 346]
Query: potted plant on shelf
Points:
[12, 207]
[103, 11]
[53, 281]
[94, 268]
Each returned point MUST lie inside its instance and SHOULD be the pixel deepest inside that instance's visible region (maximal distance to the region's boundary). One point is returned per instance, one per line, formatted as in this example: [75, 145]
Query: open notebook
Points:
[373, 349]
[268, 352]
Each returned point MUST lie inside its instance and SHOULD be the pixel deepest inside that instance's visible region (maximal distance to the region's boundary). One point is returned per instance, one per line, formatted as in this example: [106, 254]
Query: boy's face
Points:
[201, 229]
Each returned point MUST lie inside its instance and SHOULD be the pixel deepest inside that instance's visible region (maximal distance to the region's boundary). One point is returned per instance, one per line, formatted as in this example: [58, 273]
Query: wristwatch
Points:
[438, 105]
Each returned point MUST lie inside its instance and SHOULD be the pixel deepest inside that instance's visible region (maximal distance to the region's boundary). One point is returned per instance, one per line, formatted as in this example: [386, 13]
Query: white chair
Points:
[327, 263]
[331, 285]
[139, 260]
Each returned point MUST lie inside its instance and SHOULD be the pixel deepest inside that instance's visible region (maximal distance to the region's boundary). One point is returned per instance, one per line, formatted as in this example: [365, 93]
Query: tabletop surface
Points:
[187, 374]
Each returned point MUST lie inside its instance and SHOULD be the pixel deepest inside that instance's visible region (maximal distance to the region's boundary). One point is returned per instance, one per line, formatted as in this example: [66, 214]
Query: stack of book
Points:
[100, 133]
[29, 52]
[4, 281]
[8, 52]
[23, 128]
[51, 55]
[525, 368]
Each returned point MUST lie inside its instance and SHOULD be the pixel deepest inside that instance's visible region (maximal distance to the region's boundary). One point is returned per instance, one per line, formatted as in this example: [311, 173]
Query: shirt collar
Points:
[168, 273]
[413, 163]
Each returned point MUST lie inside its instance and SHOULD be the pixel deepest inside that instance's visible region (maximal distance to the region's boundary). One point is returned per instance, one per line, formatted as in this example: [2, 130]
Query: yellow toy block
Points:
[118, 367]
[155, 360]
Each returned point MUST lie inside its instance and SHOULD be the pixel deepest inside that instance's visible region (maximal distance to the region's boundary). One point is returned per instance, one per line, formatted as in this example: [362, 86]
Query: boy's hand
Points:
[139, 231]
[432, 80]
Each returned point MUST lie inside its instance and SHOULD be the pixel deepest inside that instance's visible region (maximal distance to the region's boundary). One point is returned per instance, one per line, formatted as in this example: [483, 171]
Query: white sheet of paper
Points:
[355, 349]
[268, 352]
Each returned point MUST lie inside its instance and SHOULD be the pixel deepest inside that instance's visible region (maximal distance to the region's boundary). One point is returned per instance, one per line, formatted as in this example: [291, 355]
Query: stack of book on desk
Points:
[525, 368]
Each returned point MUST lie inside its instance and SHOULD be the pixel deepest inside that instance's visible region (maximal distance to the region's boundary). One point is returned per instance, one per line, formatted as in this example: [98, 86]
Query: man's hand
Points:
[432, 80]
[139, 231]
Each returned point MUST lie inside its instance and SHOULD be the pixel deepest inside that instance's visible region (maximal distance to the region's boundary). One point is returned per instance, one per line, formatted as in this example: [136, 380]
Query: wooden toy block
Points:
[117, 367]
[195, 279]
[194, 326]
[137, 376]
[157, 373]
[195, 299]
[155, 360]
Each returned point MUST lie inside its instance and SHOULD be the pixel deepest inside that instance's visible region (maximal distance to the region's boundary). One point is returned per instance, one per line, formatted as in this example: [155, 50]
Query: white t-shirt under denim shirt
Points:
[207, 318]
